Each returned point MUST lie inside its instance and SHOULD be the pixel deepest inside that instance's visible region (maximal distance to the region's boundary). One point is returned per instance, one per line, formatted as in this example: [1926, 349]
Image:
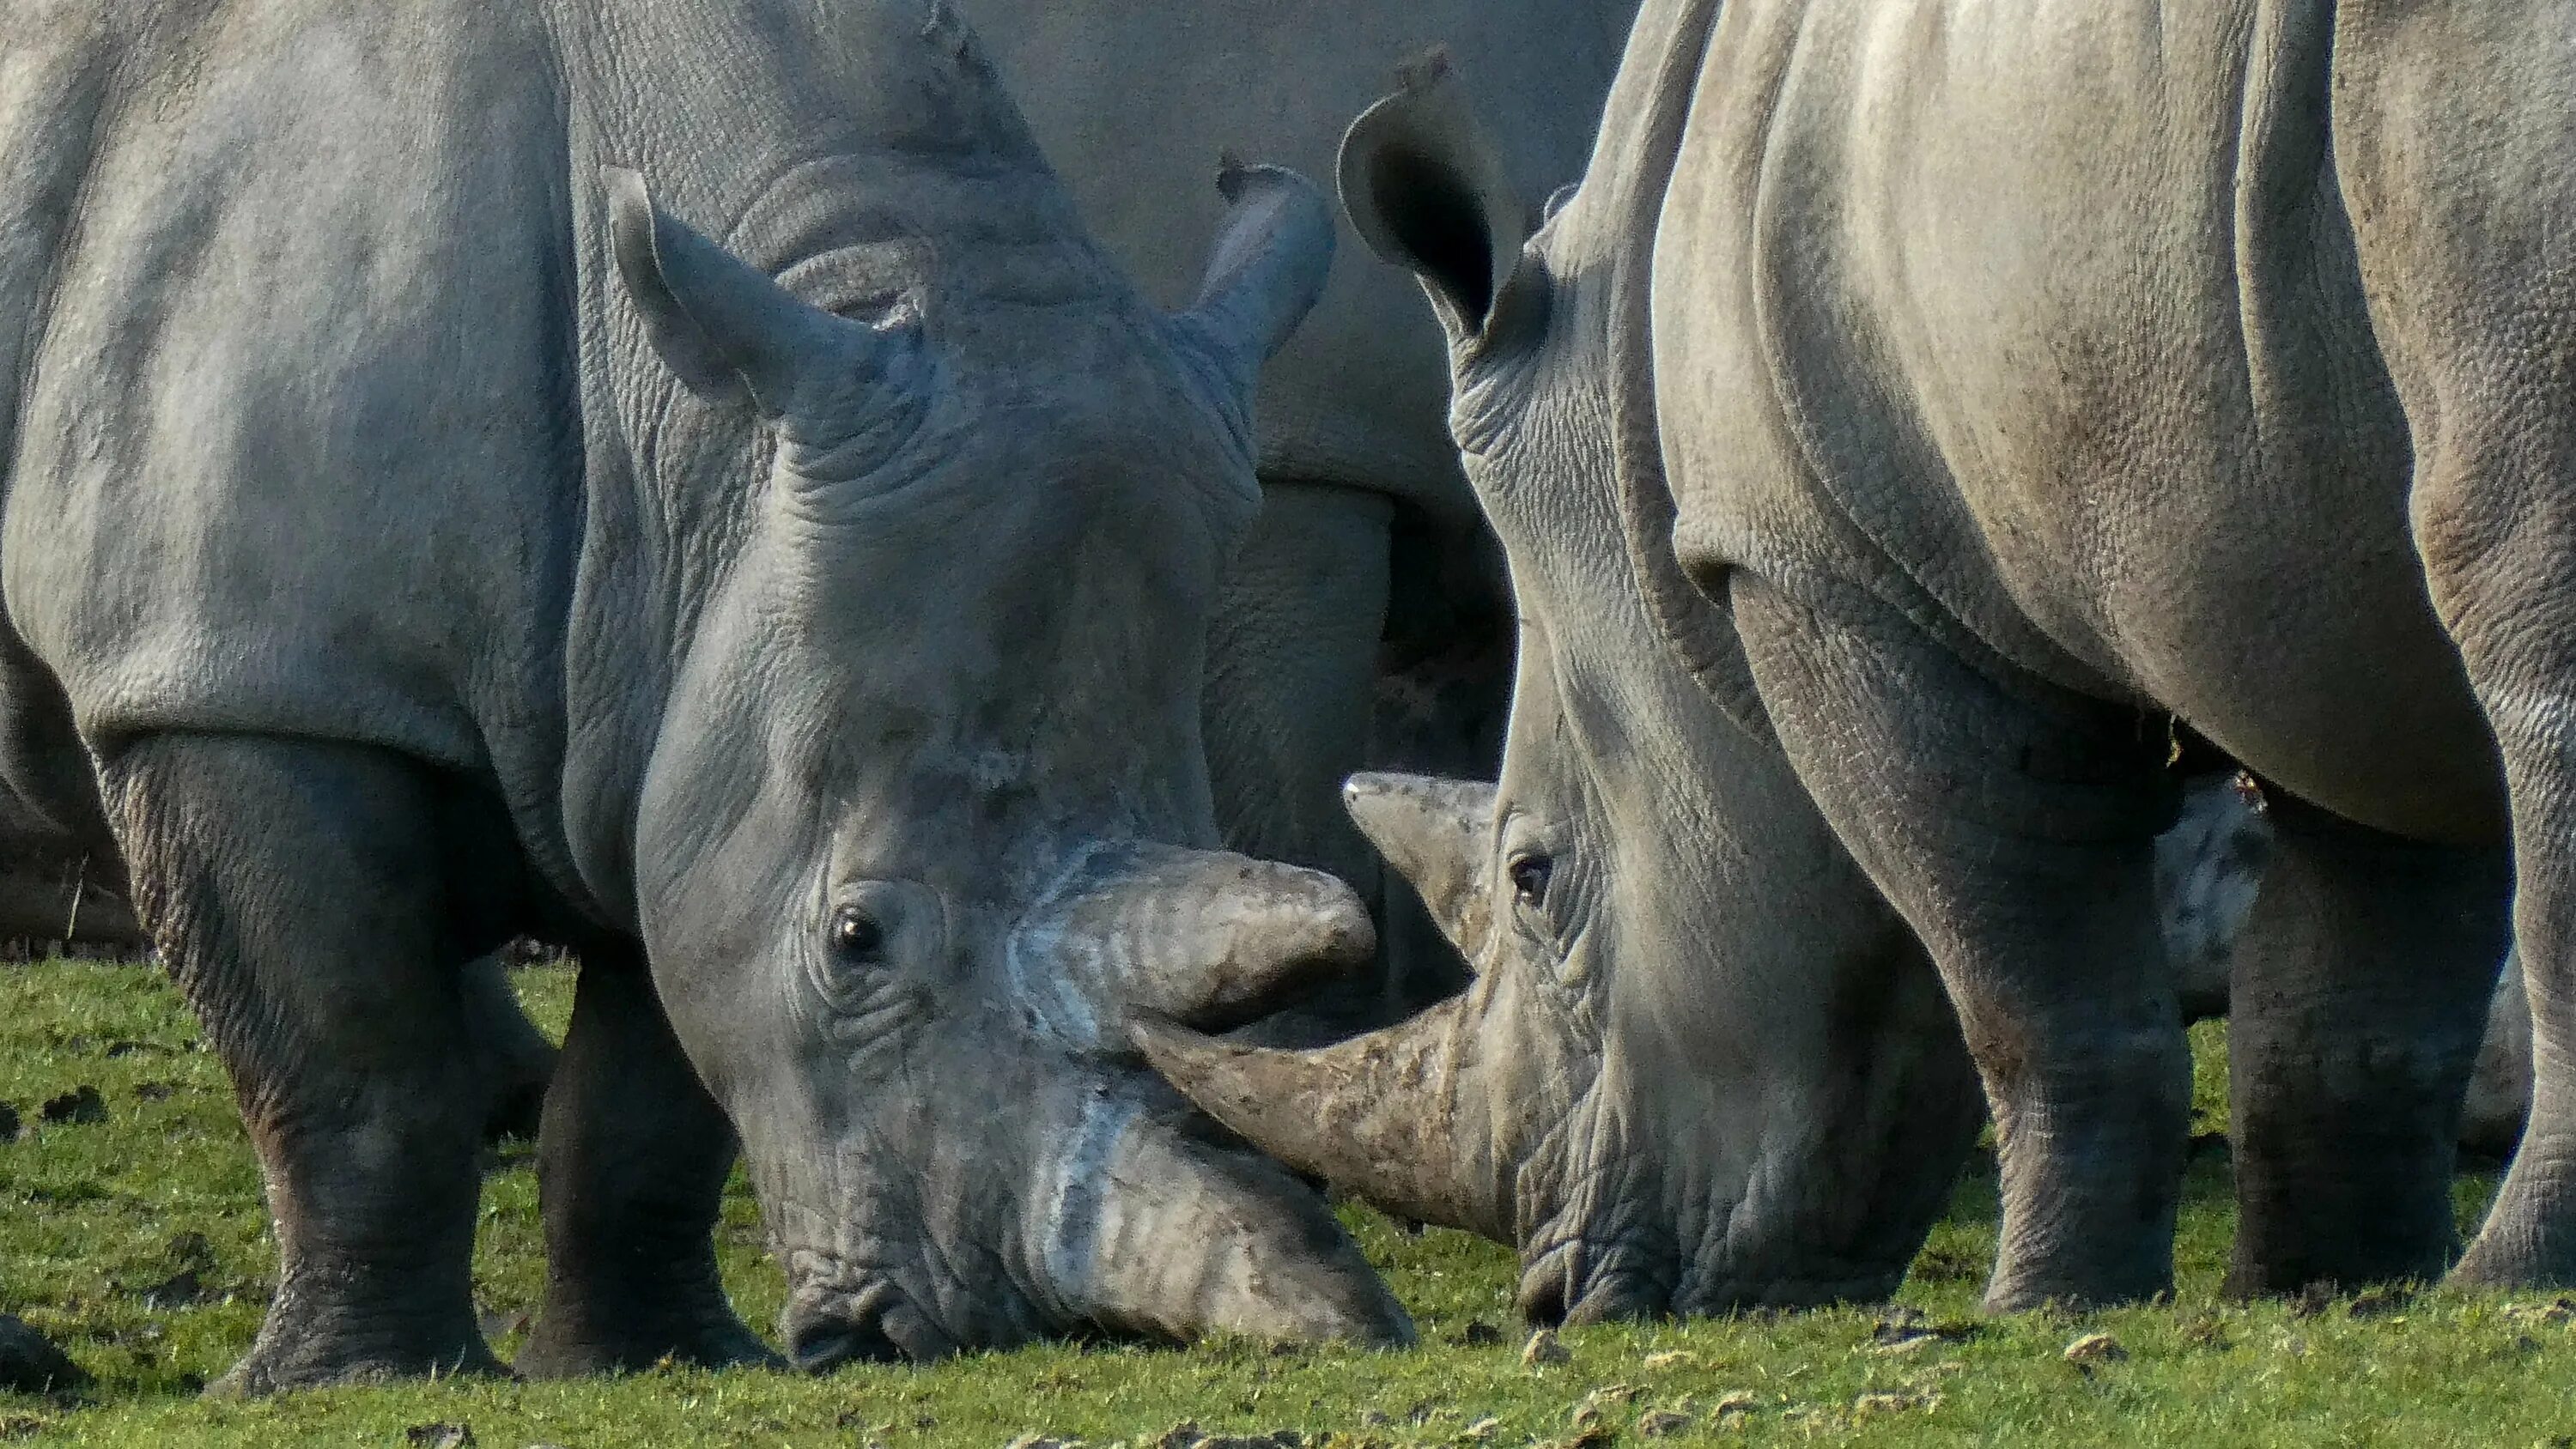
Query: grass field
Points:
[139, 1243]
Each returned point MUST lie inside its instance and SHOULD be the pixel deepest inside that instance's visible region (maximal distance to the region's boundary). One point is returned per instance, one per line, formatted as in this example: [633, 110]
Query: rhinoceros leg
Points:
[2360, 994]
[523, 1059]
[2013, 827]
[632, 1160]
[296, 891]
[2452, 159]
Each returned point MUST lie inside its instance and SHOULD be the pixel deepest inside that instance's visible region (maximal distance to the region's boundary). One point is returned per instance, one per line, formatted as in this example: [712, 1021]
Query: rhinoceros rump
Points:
[433, 538]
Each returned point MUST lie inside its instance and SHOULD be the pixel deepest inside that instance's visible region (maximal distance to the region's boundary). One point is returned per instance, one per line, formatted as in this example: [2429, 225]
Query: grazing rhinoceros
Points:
[431, 538]
[1368, 570]
[2015, 379]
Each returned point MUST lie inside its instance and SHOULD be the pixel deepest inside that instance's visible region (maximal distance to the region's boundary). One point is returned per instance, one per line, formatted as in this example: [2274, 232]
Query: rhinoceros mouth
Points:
[840, 1315]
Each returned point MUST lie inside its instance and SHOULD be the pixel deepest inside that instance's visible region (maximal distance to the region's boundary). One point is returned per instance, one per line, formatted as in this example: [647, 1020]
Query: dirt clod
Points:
[2095, 1348]
[1480, 1334]
[80, 1105]
[440, 1436]
[1544, 1349]
[1662, 1424]
[1671, 1358]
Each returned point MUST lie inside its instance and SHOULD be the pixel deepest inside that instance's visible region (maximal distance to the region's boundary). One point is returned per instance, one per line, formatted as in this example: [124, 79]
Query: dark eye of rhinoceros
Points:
[1529, 877]
[856, 934]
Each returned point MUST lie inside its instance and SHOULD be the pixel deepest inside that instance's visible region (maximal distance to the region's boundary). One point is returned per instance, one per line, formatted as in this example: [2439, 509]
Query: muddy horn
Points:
[1390, 1116]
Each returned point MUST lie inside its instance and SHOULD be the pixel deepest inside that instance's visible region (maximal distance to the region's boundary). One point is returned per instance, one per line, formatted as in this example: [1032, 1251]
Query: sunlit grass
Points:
[97, 1217]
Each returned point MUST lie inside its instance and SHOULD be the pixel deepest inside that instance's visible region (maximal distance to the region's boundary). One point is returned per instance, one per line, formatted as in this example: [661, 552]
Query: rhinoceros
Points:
[786, 585]
[1367, 578]
[1976, 389]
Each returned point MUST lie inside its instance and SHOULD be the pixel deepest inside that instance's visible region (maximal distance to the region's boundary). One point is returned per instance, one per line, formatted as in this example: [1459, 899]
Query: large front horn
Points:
[1397, 1116]
[1213, 938]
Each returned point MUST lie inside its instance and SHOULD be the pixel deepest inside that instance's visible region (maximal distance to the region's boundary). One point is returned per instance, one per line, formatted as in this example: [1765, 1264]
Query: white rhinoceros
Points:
[1972, 388]
[428, 537]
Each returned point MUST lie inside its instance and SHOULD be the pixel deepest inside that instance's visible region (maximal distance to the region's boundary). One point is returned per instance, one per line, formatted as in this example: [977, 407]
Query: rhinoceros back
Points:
[286, 287]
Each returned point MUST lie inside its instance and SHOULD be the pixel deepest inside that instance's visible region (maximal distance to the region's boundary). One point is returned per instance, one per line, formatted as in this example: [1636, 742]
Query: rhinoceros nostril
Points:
[823, 1338]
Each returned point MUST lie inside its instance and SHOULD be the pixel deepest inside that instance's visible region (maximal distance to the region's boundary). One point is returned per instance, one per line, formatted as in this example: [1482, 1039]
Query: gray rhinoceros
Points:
[2013, 381]
[430, 538]
[1368, 572]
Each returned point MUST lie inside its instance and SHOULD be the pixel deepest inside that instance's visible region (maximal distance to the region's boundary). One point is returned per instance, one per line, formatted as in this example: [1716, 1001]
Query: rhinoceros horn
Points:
[1391, 1116]
[1434, 832]
[1210, 937]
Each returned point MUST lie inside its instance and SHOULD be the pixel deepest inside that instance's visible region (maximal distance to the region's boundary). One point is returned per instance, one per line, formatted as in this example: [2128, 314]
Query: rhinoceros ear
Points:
[1427, 190]
[1271, 259]
[1439, 835]
[724, 326]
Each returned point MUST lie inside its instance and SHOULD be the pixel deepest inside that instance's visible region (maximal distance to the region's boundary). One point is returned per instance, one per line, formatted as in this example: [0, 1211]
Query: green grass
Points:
[94, 1211]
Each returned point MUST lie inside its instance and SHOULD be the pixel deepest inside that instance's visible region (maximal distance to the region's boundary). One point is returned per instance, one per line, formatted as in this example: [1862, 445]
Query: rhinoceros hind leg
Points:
[2360, 995]
[297, 893]
[2012, 825]
[524, 1061]
[2460, 191]
[632, 1160]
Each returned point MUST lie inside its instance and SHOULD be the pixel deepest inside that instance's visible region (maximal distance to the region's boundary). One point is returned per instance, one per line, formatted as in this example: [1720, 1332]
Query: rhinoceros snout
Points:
[827, 1329]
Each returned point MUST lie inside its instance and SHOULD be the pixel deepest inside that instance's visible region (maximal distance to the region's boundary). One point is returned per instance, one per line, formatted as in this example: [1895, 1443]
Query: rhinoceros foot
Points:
[312, 1340]
[565, 1346]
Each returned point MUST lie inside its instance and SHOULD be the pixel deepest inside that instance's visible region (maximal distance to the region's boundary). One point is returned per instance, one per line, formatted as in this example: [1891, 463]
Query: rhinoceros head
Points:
[1701, 1065]
[927, 819]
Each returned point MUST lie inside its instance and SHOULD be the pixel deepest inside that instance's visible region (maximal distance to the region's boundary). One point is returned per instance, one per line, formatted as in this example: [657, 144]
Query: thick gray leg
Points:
[2453, 162]
[2360, 995]
[2013, 828]
[631, 1164]
[522, 1057]
[295, 890]
[1292, 660]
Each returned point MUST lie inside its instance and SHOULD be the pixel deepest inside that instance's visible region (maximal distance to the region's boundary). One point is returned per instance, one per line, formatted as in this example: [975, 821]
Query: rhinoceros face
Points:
[926, 821]
[1702, 1066]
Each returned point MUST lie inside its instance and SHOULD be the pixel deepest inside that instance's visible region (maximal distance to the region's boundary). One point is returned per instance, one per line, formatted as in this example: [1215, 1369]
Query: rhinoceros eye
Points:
[1530, 876]
[856, 935]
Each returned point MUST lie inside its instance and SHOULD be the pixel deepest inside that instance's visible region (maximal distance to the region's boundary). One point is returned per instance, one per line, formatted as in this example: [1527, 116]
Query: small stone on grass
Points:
[1480, 1334]
[440, 1436]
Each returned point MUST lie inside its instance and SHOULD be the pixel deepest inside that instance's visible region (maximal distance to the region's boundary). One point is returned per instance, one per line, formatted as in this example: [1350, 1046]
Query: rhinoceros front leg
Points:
[2360, 994]
[295, 889]
[2013, 827]
[632, 1159]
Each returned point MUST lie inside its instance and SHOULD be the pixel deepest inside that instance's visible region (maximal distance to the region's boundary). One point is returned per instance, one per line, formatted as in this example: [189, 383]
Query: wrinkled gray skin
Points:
[1368, 577]
[2209, 872]
[55, 894]
[433, 539]
[2010, 394]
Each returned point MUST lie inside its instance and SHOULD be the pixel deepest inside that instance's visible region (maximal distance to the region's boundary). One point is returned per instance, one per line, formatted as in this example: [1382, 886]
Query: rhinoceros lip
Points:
[842, 1314]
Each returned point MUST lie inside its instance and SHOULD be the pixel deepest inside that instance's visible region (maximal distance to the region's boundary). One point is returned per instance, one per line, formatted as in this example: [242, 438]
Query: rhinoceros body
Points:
[1971, 388]
[430, 536]
[1369, 572]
